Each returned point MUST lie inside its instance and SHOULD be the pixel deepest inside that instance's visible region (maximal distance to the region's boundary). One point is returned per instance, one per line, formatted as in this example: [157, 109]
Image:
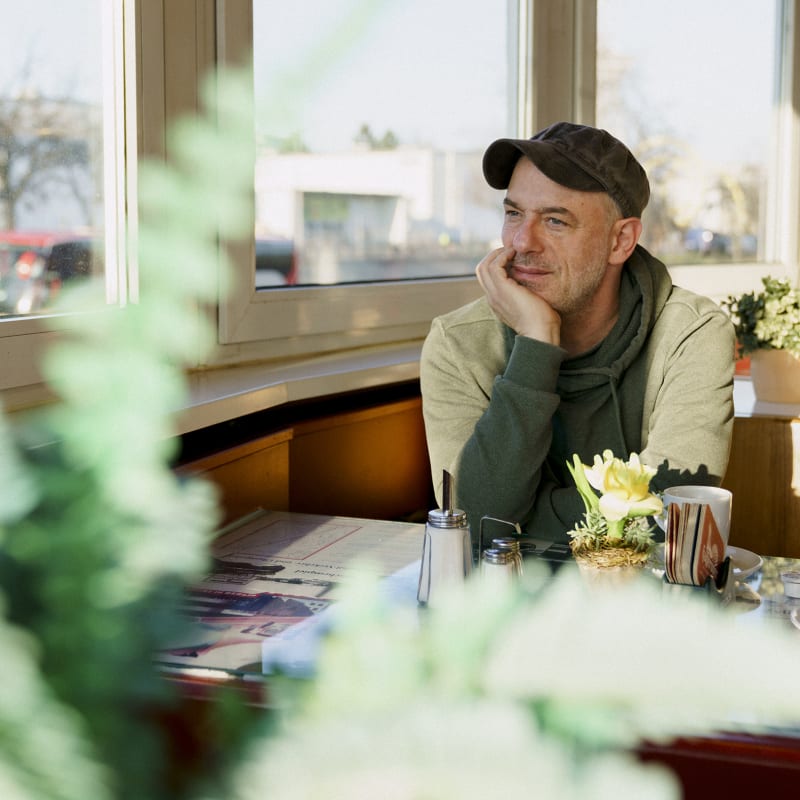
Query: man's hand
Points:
[520, 308]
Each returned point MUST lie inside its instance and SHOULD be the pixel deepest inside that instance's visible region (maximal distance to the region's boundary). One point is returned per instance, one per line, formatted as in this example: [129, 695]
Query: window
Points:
[694, 93]
[61, 165]
[367, 253]
[53, 180]
[370, 130]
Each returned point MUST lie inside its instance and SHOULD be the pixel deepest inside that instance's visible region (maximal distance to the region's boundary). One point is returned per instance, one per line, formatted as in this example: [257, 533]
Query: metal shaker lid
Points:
[506, 543]
[494, 556]
[447, 518]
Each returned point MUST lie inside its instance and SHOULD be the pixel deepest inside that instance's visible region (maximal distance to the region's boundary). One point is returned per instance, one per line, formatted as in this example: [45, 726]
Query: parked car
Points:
[34, 267]
[706, 242]
[276, 263]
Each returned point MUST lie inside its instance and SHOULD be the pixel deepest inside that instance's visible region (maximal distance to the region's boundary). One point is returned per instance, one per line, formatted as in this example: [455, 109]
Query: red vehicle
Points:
[34, 266]
[276, 262]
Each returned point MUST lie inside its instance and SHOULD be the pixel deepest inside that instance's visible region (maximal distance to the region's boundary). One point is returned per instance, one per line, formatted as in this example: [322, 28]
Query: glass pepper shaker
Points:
[508, 543]
[498, 567]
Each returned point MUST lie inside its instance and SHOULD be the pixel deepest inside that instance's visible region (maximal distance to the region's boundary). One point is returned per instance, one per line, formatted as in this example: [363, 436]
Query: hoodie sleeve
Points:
[492, 432]
[688, 421]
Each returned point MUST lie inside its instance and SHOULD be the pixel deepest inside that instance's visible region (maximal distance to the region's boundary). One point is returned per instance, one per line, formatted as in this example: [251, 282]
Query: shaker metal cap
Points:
[447, 518]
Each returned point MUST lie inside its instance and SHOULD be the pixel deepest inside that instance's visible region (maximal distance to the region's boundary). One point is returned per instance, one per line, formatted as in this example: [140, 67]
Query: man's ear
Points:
[624, 235]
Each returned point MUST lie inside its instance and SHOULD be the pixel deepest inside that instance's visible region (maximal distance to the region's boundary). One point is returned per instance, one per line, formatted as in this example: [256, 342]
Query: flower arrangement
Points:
[614, 530]
[767, 320]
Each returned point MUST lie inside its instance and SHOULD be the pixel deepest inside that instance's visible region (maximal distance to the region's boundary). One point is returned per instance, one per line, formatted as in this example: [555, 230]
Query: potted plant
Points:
[767, 325]
[615, 532]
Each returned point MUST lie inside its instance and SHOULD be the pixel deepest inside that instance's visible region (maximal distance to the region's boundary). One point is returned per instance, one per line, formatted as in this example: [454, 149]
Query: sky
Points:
[704, 68]
[691, 64]
[56, 44]
[433, 71]
[336, 64]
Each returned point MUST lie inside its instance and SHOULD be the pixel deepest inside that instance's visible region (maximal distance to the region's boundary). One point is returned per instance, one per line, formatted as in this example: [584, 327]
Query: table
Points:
[274, 571]
[277, 573]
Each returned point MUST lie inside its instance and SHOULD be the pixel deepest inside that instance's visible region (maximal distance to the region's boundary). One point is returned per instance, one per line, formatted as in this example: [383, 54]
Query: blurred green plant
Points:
[543, 690]
[492, 694]
[98, 537]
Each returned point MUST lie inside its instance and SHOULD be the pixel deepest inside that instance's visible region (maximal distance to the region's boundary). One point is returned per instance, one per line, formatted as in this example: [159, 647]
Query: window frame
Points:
[284, 322]
[296, 321]
[169, 47]
[23, 341]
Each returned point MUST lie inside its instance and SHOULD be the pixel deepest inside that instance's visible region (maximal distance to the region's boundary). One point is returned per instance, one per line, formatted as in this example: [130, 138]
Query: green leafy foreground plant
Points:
[98, 536]
[543, 690]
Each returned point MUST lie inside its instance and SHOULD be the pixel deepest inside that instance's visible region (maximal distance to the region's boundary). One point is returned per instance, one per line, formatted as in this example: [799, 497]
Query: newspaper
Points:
[273, 570]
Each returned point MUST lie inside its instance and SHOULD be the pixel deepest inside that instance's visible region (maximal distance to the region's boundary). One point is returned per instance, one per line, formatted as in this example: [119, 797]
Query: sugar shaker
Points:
[446, 548]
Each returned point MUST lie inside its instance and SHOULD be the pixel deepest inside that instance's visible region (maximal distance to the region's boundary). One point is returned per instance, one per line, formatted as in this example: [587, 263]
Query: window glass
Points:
[51, 150]
[372, 118]
[690, 86]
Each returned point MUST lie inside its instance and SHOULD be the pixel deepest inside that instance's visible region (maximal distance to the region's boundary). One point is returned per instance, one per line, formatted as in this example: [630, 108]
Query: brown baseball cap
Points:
[578, 157]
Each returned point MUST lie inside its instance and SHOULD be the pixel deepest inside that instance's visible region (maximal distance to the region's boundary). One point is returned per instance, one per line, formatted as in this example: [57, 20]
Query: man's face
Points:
[562, 238]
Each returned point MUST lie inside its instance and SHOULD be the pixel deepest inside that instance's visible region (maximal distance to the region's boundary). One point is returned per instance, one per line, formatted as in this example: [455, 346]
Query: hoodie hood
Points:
[645, 286]
[593, 381]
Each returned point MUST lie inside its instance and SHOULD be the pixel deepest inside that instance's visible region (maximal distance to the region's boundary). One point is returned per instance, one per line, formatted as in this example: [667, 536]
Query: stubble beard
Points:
[566, 303]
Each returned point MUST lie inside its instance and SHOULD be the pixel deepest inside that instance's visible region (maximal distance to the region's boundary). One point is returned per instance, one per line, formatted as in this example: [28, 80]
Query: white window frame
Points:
[290, 322]
[309, 320]
[23, 341]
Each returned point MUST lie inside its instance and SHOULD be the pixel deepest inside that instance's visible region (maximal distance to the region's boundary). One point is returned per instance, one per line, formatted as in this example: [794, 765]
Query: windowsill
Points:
[220, 395]
[225, 393]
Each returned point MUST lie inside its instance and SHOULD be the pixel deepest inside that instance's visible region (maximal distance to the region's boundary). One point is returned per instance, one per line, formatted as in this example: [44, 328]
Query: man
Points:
[580, 344]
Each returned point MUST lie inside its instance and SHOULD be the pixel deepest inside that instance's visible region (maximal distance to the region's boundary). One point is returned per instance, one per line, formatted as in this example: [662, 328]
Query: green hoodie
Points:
[503, 413]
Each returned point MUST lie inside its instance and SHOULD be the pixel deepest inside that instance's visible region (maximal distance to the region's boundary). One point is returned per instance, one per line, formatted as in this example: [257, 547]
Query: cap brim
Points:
[502, 155]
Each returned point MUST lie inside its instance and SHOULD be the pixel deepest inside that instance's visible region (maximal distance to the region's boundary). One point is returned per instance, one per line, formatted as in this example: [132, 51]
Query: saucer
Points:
[744, 562]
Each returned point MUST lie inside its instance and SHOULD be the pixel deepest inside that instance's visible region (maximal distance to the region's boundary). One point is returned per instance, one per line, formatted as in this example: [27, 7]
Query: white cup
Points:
[719, 500]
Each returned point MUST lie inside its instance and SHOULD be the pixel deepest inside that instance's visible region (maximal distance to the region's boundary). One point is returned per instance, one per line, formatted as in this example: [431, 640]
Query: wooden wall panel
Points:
[249, 476]
[763, 474]
[371, 463]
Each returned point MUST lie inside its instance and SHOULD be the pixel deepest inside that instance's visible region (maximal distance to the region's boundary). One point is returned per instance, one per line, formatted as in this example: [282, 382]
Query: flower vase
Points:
[611, 566]
[776, 376]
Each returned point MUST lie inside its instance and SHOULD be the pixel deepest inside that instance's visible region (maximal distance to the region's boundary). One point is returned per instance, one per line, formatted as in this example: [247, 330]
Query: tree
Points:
[293, 143]
[365, 136]
[44, 144]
